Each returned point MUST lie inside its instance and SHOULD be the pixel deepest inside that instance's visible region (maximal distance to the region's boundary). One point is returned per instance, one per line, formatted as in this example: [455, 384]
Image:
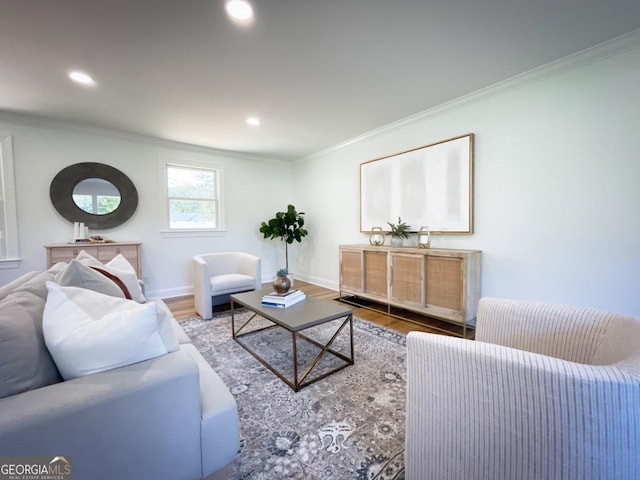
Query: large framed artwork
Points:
[427, 186]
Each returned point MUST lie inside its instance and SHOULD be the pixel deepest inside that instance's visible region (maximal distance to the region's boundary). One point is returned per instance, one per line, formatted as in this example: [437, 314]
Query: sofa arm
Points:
[139, 421]
[202, 288]
[562, 331]
[477, 410]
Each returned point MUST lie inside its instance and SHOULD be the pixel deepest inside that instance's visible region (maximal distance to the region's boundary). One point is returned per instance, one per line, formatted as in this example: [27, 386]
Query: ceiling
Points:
[316, 72]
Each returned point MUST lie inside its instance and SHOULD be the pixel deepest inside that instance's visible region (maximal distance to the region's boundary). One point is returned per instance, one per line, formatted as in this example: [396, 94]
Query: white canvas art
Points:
[427, 186]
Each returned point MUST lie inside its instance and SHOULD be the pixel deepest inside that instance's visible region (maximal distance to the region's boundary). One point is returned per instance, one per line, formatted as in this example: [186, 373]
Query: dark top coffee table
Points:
[295, 319]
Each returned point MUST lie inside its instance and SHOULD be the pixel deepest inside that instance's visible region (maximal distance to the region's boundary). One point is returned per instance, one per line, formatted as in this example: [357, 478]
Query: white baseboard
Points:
[170, 292]
[321, 282]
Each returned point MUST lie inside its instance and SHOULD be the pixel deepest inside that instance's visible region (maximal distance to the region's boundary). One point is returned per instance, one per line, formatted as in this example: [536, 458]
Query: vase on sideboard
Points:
[397, 241]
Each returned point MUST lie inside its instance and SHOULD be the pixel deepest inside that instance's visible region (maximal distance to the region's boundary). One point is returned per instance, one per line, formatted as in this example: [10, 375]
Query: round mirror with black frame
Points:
[85, 174]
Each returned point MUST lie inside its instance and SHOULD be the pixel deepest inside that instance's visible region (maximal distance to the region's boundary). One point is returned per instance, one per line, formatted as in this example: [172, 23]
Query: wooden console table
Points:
[439, 283]
[65, 252]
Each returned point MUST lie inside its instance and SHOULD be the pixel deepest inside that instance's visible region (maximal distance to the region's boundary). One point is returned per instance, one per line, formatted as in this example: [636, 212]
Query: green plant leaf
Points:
[287, 226]
[400, 230]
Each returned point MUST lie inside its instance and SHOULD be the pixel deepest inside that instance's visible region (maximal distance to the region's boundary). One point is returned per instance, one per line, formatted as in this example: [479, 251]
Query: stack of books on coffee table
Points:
[283, 300]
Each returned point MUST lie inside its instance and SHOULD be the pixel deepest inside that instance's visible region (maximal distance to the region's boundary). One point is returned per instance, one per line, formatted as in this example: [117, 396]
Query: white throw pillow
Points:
[121, 268]
[165, 328]
[87, 332]
[76, 274]
[86, 259]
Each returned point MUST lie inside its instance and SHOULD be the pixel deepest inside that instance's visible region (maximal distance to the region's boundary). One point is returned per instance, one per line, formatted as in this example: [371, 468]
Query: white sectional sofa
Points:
[168, 417]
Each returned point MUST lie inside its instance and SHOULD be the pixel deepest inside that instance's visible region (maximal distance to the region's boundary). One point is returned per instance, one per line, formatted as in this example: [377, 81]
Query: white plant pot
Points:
[397, 241]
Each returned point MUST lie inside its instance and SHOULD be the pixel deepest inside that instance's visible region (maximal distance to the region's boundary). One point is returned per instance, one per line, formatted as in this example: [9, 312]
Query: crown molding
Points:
[29, 120]
[610, 48]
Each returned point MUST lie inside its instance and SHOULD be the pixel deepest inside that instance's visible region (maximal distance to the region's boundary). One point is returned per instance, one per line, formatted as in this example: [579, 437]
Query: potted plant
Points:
[287, 226]
[398, 232]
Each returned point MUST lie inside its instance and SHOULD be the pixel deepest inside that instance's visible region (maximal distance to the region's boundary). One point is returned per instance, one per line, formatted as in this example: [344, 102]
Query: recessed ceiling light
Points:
[253, 121]
[82, 78]
[240, 11]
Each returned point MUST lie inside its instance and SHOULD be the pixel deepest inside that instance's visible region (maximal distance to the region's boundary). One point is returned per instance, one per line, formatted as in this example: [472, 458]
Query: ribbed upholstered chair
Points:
[545, 392]
[217, 275]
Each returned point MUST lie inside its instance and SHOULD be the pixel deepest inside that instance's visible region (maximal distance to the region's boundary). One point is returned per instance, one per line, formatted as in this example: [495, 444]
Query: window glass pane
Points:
[107, 204]
[190, 183]
[9, 251]
[3, 228]
[193, 197]
[85, 202]
[104, 204]
[192, 214]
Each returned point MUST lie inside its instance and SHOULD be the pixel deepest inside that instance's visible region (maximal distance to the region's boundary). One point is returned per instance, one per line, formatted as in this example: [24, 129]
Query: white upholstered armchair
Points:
[545, 392]
[217, 275]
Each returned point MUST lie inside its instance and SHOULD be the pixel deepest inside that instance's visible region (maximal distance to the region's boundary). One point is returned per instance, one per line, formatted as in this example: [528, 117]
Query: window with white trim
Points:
[9, 252]
[193, 198]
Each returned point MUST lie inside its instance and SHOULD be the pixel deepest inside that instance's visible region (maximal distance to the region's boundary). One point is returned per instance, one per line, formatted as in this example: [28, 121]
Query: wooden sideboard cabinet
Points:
[65, 252]
[440, 283]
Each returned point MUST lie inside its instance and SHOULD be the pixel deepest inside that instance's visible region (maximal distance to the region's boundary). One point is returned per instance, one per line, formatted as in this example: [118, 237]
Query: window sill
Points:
[191, 233]
[7, 263]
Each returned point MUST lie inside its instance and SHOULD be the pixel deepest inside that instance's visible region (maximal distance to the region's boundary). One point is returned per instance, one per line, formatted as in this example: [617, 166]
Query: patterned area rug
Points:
[349, 425]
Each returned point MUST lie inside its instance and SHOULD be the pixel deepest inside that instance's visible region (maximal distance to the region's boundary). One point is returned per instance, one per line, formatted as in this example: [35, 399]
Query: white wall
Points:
[254, 190]
[557, 194]
[556, 190]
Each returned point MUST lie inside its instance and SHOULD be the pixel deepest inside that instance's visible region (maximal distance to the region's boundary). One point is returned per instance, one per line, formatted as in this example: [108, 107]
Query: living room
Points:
[555, 163]
[555, 197]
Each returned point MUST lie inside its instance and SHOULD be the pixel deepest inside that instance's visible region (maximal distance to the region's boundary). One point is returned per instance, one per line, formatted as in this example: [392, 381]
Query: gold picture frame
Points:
[430, 185]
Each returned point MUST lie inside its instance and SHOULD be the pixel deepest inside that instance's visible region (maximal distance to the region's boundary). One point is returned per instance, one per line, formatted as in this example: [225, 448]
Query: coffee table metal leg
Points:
[353, 359]
[325, 348]
[295, 361]
[233, 322]
[236, 333]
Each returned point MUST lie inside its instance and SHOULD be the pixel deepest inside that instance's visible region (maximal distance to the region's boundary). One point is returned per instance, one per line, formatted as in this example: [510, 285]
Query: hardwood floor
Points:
[183, 307]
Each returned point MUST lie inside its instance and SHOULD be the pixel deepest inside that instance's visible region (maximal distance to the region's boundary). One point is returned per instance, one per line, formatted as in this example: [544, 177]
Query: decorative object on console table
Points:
[99, 239]
[376, 236]
[80, 232]
[398, 232]
[424, 238]
[281, 283]
[65, 252]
